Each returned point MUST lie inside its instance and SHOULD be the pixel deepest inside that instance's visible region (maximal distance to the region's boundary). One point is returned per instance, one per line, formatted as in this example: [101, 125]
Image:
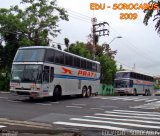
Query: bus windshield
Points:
[29, 55]
[123, 83]
[26, 73]
[123, 75]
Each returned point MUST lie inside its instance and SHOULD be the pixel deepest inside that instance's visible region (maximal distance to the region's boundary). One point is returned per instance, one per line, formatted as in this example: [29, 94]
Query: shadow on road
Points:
[45, 100]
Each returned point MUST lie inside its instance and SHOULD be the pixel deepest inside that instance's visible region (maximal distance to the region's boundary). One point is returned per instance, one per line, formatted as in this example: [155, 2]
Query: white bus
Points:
[133, 83]
[41, 71]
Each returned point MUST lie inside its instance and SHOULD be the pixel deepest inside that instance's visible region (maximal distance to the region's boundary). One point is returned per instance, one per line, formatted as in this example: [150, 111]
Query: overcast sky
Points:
[140, 44]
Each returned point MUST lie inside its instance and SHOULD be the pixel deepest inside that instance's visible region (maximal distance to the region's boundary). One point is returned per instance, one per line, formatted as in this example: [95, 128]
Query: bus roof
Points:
[134, 72]
[48, 47]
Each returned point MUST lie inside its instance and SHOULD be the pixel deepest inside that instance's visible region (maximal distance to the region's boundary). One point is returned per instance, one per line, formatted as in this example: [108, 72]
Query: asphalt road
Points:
[120, 115]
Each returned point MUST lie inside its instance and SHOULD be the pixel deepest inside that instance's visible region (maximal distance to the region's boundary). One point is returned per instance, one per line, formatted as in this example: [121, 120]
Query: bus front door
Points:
[48, 76]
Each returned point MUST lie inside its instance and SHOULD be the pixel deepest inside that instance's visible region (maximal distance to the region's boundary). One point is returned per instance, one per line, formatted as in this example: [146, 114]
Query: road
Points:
[95, 116]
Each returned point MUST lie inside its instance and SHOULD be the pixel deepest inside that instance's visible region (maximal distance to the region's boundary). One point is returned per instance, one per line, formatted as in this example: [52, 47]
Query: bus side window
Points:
[46, 75]
[50, 56]
[77, 62]
[59, 57]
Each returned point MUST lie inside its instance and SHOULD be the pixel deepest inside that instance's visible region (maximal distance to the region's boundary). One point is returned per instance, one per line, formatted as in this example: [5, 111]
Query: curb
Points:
[2, 92]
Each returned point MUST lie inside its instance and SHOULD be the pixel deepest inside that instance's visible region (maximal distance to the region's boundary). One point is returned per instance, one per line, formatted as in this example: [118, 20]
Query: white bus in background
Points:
[133, 83]
[41, 71]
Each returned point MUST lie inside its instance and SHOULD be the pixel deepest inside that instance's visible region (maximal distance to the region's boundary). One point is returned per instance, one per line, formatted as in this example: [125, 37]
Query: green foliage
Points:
[4, 80]
[79, 48]
[34, 24]
[156, 87]
[108, 69]
[148, 15]
[66, 41]
[59, 47]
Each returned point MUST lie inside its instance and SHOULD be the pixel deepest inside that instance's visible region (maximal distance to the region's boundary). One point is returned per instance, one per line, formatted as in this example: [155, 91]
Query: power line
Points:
[80, 16]
[75, 12]
[81, 19]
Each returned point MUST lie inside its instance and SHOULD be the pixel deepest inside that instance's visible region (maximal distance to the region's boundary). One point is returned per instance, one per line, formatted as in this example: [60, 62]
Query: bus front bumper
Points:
[25, 94]
[123, 91]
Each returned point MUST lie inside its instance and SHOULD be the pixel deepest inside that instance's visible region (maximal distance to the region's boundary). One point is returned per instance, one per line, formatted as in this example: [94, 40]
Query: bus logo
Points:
[67, 71]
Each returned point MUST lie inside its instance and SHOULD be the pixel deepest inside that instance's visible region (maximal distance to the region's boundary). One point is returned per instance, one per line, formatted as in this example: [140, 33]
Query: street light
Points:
[118, 37]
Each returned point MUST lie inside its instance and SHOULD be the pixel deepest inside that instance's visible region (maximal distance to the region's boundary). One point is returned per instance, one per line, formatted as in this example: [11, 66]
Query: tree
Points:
[79, 48]
[35, 25]
[150, 12]
[108, 69]
[66, 41]
[59, 47]
[1, 57]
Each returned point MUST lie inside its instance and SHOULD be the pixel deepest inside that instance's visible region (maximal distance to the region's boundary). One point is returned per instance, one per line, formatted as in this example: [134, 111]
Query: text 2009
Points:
[128, 16]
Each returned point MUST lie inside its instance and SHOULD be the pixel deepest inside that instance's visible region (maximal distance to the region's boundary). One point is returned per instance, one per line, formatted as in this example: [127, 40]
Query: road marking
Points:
[115, 119]
[143, 107]
[78, 104]
[54, 102]
[96, 109]
[98, 97]
[136, 99]
[137, 114]
[113, 98]
[2, 126]
[152, 105]
[74, 107]
[89, 125]
[3, 97]
[112, 115]
[44, 104]
[118, 119]
[140, 100]
[109, 106]
[14, 101]
[151, 100]
[116, 123]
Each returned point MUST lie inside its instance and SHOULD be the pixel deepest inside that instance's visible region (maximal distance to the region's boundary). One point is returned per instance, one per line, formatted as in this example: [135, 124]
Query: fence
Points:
[105, 90]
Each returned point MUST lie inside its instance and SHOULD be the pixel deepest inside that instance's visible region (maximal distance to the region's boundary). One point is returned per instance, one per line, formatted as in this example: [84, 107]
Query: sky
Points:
[139, 46]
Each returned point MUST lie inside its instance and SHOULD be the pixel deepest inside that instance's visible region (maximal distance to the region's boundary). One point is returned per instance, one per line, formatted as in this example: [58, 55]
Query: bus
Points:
[41, 71]
[133, 83]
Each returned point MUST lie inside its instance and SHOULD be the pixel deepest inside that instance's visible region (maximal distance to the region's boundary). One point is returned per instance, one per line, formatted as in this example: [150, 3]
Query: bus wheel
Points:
[84, 92]
[56, 94]
[89, 92]
[31, 98]
[135, 92]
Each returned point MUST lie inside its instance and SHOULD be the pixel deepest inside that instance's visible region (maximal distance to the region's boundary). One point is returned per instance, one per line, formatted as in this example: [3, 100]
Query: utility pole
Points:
[98, 30]
[94, 21]
[134, 67]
